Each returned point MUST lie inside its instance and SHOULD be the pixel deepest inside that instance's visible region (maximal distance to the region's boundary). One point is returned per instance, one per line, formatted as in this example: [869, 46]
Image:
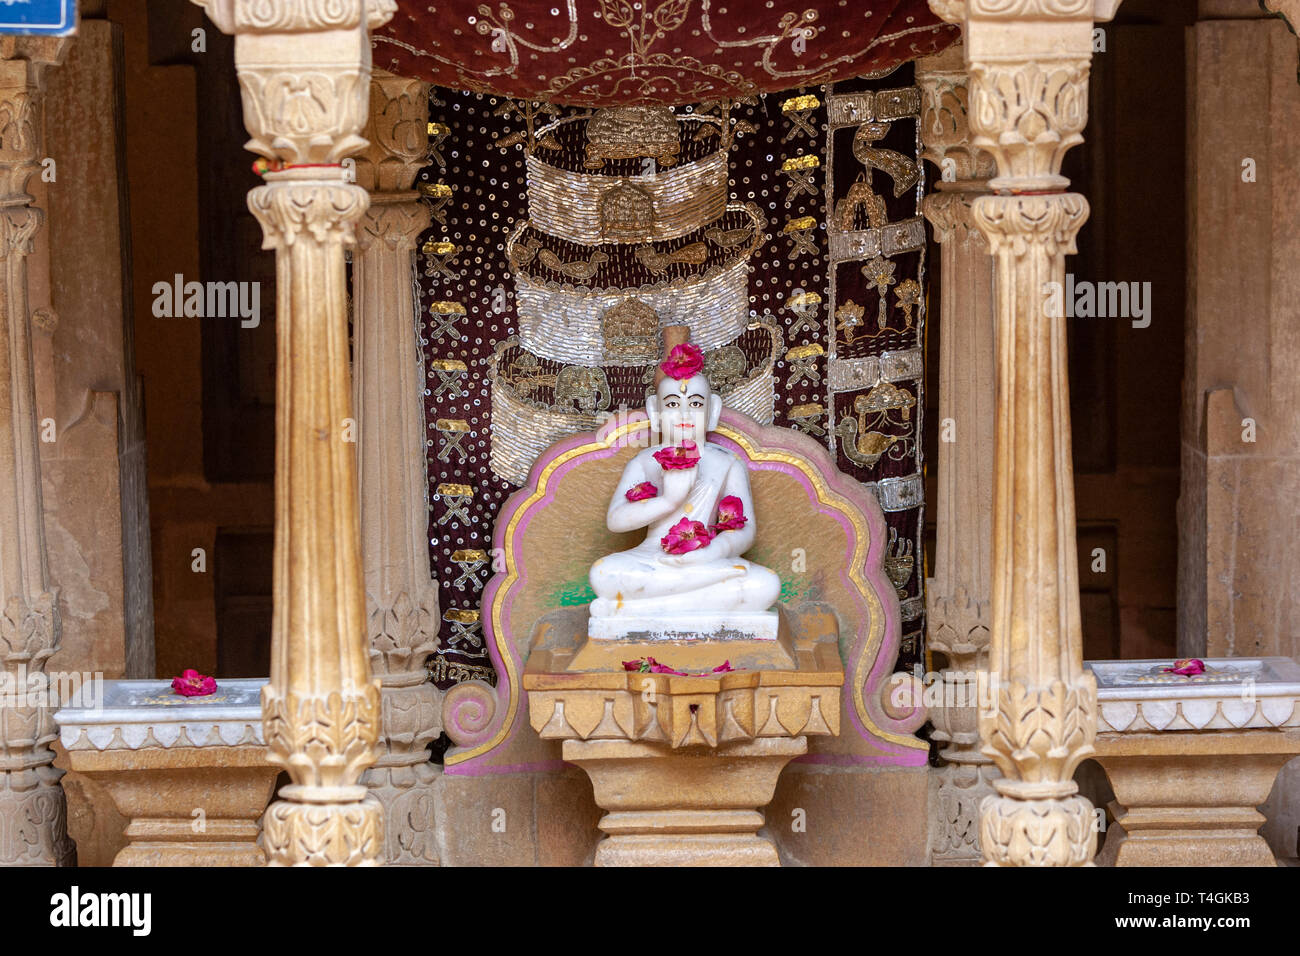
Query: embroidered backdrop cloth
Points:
[671, 52]
[785, 230]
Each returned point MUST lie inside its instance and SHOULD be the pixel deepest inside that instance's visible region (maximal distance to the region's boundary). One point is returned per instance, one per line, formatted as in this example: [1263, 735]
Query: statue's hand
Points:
[678, 484]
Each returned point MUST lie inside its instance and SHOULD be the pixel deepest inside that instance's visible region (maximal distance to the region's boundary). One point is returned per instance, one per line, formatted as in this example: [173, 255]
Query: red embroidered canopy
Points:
[636, 52]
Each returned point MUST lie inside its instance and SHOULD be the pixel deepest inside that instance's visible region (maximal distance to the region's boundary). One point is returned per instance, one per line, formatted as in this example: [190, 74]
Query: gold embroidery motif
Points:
[581, 269]
[804, 306]
[803, 361]
[438, 257]
[469, 562]
[860, 194]
[886, 405]
[630, 330]
[585, 389]
[903, 170]
[446, 314]
[798, 110]
[805, 418]
[728, 238]
[848, 319]
[449, 427]
[908, 294]
[801, 171]
[627, 214]
[451, 373]
[457, 499]
[879, 273]
[464, 626]
[630, 132]
[899, 562]
[725, 367]
[440, 194]
[696, 254]
[800, 233]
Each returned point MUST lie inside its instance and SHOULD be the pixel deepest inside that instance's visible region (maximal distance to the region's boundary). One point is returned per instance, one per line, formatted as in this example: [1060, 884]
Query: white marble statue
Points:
[694, 501]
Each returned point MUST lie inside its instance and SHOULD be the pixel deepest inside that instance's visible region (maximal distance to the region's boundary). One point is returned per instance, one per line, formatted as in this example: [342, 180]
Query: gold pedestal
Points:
[691, 807]
[1189, 799]
[682, 763]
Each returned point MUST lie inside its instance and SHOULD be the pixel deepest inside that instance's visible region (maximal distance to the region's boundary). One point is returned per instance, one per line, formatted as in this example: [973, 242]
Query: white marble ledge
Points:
[135, 714]
[1234, 693]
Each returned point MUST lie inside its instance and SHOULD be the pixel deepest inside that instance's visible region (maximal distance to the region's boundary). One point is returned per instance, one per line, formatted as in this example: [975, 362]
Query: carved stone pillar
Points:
[304, 69]
[388, 389]
[1028, 63]
[958, 612]
[33, 812]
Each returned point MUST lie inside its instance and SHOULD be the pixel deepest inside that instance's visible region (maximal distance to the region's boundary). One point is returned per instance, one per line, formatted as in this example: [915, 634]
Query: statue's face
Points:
[685, 410]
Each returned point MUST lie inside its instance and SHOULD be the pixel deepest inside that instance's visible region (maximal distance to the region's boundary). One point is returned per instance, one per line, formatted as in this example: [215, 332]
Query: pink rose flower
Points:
[673, 458]
[650, 666]
[683, 362]
[657, 668]
[685, 536]
[731, 515]
[1187, 667]
[642, 491]
[193, 684]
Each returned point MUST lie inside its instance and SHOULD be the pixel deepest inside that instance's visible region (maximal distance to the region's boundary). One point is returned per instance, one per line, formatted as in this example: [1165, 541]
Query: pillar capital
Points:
[1028, 62]
[304, 70]
[323, 211]
[297, 16]
[945, 125]
[394, 219]
[950, 216]
[398, 133]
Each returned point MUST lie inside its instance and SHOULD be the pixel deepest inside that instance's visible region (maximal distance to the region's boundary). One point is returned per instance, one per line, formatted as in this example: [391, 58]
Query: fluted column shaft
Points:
[304, 70]
[1028, 63]
[388, 390]
[959, 594]
[33, 811]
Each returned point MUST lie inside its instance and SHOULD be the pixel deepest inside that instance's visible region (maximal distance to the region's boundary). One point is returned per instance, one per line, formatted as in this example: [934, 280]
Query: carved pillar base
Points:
[324, 834]
[957, 790]
[32, 819]
[673, 808]
[403, 779]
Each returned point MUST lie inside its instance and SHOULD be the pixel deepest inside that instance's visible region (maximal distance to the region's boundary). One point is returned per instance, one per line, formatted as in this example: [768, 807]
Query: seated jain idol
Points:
[687, 579]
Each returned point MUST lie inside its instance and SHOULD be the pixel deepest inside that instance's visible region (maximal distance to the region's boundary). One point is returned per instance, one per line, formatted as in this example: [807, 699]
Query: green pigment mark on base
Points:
[789, 591]
[573, 594]
[579, 592]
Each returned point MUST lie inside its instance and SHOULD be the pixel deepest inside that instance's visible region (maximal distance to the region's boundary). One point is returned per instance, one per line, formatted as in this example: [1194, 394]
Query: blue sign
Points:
[46, 17]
